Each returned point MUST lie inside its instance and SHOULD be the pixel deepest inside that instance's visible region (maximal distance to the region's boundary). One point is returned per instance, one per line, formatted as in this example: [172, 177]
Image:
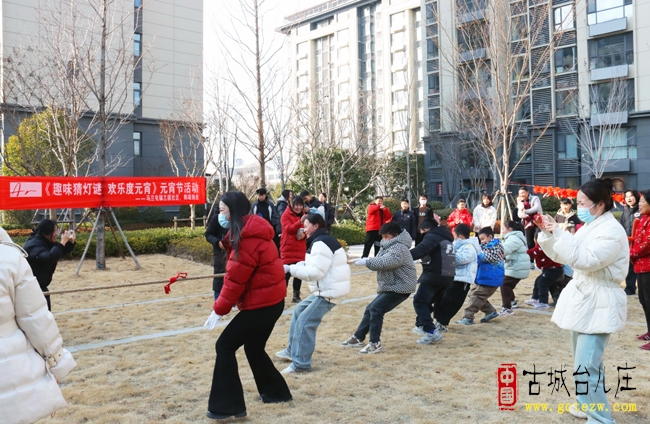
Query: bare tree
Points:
[253, 73]
[499, 53]
[599, 134]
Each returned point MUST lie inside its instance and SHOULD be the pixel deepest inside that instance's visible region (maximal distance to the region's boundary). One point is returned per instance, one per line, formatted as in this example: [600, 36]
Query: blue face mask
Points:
[223, 221]
[585, 215]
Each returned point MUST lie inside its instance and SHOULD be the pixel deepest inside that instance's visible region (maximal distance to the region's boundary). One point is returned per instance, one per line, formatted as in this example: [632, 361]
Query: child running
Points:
[467, 249]
[396, 277]
[517, 265]
[547, 281]
[488, 278]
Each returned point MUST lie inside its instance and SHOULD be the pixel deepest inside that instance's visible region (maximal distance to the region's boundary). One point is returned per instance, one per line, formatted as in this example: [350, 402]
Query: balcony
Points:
[612, 118]
[610, 72]
[473, 55]
[615, 25]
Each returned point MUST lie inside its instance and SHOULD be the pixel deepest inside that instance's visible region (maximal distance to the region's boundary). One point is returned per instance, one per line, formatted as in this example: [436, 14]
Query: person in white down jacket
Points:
[327, 271]
[485, 214]
[32, 360]
[592, 305]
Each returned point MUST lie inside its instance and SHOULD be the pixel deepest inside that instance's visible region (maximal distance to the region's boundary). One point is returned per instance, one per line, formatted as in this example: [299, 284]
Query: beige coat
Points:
[593, 302]
[31, 354]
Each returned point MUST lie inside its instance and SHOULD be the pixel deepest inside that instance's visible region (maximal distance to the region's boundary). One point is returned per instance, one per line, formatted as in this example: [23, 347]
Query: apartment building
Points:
[356, 74]
[594, 50]
[167, 37]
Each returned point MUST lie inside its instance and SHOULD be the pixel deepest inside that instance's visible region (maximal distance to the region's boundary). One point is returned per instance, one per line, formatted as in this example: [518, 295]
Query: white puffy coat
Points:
[31, 354]
[327, 272]
[484, 217]
[593, 302]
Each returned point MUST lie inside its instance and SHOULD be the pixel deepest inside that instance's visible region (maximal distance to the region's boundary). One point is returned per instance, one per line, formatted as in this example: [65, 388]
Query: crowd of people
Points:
[583, 256]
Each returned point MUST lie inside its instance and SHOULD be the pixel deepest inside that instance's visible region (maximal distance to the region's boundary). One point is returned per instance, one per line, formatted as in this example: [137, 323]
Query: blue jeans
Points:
[588, 350]
[307, 316]
[373, 317]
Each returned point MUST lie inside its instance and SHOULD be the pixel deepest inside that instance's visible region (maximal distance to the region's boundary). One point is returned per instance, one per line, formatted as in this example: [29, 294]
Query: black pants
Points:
[297, 282]
[643, 282]
[373, 317]
[425, 302]
[547, 282]
[219, 268]
[47, 298]
[418, 237]
[508, 291]
[452, 300]
[530, 237]
[630, 280]
[250, 329]
[372, 239]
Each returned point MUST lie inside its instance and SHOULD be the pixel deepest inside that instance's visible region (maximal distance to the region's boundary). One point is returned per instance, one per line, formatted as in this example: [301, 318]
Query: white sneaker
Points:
[283, 355]
[288, 370]
[532, 266]
[531, 302]
[541, 306]
[429, 338]
[514, 305]
[418, 330]
[577, 412]
[371, 348]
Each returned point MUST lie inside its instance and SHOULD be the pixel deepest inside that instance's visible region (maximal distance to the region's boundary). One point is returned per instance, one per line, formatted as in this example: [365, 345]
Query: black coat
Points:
[628, 216]
[407, 220]
[267, 211]
[215, 233]
[43, 255]
[280, 206]
[329, 213]
[432, 256]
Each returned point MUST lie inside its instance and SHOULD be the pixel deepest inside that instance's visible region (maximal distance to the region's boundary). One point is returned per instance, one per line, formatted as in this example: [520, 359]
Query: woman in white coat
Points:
[32, 359]
[485, 215]
[593, 305]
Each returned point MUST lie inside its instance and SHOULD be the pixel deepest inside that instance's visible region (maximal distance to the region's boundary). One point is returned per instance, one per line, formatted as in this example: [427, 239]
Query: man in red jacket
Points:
[378, 215]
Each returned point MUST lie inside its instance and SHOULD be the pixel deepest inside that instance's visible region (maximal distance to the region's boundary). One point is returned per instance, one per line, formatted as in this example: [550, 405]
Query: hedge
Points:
[194, 249]
[349, 231]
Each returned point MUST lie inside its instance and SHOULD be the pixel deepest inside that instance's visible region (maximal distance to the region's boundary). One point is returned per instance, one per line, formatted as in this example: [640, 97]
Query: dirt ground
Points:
[163, 377]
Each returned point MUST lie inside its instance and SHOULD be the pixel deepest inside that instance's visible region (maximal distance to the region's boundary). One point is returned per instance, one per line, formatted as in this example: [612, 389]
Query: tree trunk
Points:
[192, 215]
[100, 253]
[260, 121]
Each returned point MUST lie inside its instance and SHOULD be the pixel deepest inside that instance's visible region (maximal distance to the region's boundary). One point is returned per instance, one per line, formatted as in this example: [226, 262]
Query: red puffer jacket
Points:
[640, 248]
[464, 216]
[292, 250]
[255, 279]
[377, 217]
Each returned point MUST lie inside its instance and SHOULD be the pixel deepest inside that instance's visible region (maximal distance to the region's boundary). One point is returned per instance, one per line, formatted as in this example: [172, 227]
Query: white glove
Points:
[287, 269]
[212, 320]
[361, 262]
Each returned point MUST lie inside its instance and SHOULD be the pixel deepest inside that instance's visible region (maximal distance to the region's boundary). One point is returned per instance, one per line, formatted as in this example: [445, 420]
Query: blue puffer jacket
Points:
[466, 259]
[517, 260]
[491, 264]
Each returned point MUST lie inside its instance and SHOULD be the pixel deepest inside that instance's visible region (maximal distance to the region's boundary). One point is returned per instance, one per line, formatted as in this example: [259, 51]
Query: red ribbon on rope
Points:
[172, 280]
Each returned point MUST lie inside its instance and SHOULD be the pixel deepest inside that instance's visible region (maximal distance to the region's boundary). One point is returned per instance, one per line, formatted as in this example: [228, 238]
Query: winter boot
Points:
[296, 296]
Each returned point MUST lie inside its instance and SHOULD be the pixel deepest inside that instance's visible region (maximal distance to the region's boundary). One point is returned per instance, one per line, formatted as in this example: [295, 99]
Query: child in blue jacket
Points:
[489, 278]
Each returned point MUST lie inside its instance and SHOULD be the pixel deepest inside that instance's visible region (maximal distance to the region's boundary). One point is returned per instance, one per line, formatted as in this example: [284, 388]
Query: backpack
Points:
[448, 259]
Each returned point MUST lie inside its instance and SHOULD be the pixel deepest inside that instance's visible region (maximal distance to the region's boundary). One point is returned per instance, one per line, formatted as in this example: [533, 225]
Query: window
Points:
[434, 158]
[137, 3]
[566, 103]
[434, 120]
[518, 28]
[522, 150]
[521, 70]
[611, 51]
[611, 97]
[619, 144]
[397, 20]
[599, 11]
[431, 9]
[472, 37]
[400, 99]
[434, 84]
[432, 48]
[344, 89]
[137, 44]
[137, 143]
[563, 18]
[523, 112]
[302, 48]
[397, 39]
[565, 59]
[473, 76]
[344, 54]
[467, 6]
[398, 78]
[343, 36]
[398, 58]
[137, 94]
[566, 146]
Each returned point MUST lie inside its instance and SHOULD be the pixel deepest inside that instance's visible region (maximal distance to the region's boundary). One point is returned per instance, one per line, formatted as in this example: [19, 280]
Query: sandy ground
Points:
[167, 379]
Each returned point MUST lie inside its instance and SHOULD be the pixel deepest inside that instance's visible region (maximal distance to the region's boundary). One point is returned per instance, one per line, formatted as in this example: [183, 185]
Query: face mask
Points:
[585, 216]
[423, 202]
[223, 221]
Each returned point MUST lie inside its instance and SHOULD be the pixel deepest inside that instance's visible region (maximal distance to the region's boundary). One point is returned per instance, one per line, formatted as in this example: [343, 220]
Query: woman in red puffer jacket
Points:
[293, 244]
[640, 256]
[253, 281]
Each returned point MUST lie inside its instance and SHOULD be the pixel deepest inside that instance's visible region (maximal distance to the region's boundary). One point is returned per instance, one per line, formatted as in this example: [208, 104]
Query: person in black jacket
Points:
[281, 205]
[266, 209]
[630, 213]
[436, 250]
[44, 252]
[330, 212]
[422, 212]
[214, 234]
[406, 219]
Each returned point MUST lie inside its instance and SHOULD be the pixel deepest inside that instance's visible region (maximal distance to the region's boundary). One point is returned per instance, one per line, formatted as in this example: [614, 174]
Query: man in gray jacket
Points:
[527, 207]
[396, 278]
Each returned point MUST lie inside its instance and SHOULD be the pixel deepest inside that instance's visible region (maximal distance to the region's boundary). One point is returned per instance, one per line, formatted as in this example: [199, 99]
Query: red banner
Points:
[93, 192]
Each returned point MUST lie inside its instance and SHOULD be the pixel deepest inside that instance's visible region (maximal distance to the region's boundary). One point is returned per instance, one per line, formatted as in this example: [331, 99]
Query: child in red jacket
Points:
[640, 257]
[460, 216]
[547, 281]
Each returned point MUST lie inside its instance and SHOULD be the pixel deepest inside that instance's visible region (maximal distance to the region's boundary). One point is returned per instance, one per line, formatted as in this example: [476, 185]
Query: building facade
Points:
[595, 52]
[167, 38]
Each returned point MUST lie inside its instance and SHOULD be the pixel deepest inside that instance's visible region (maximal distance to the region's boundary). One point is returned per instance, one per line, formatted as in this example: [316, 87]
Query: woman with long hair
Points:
[254, 281]
[629, 214]
[485, 214]
[592, 306]
[640, 257]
